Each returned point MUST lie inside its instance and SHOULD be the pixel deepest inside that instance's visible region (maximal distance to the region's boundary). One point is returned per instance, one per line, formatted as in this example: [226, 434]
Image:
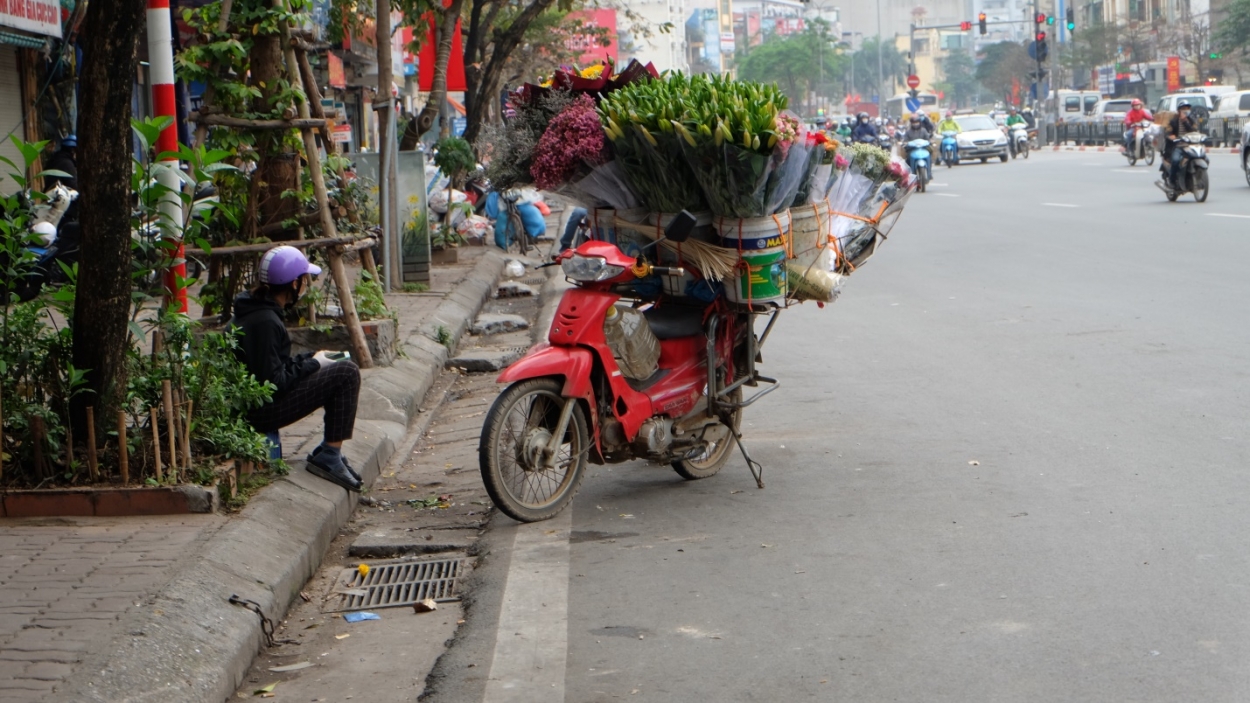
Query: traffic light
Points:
[965, 26]
[1040, 18]
[1050, 19]
[1215, 55]
[1071, 20]
[981, 22]
[1041, 37]
[1042, 51]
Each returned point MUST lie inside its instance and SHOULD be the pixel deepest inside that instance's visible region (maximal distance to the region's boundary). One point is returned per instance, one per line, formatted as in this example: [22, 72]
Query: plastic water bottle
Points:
[615, 336]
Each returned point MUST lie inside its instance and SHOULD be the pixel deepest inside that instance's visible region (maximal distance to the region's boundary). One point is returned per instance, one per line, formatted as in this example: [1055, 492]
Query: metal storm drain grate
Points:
[392, 584]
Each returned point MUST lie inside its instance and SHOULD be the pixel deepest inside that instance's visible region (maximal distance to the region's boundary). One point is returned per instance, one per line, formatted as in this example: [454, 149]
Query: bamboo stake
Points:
[303, 122]
[156, 443]
[1, 431]
[36, 427]
[158, 343]
[92, 464]
[69, 446]
[350, 319]
[123, 451]
[366, 260]
[167, 398]
[186, 438]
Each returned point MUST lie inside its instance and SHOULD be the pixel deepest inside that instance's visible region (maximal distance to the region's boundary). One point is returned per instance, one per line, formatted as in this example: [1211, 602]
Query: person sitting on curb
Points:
[304, 382]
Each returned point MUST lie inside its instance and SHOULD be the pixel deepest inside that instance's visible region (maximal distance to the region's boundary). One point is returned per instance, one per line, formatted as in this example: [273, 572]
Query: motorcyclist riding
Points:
[844, 129]
[1137, 113]
[1014, 118]
[1029, 120]
[916, 129]
[865, 130]
[1180, 124]
[948, 123]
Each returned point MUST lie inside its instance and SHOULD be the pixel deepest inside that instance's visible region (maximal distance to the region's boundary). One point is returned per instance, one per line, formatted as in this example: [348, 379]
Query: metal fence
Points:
[1224, 132]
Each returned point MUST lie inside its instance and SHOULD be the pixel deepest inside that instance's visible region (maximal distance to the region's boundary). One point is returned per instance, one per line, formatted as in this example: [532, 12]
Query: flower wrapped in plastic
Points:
[865, 203]
[749, 175]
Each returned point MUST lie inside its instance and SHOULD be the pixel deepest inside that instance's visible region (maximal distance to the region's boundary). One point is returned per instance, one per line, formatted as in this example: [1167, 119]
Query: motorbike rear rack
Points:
[752, 377]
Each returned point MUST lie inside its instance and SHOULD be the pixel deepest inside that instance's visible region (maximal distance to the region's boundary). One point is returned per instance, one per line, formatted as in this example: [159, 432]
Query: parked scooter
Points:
[1194, 176]
[918, 159]
[949, 151]
[56, 247]
[1141, 144]
[1019, 140]
[614, 383]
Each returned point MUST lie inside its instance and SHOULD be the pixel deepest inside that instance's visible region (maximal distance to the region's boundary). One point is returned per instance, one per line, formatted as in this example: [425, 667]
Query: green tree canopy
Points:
[796, 64]
[1005, 65]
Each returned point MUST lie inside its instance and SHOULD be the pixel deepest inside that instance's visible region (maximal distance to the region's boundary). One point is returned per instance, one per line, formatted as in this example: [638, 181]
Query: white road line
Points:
[1132, 170]
[1220, 214]
[948, 195]
[532, 642]
[1060, 205]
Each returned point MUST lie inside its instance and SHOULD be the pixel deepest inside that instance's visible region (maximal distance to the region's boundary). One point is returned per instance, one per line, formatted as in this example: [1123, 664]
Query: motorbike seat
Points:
[671, 321]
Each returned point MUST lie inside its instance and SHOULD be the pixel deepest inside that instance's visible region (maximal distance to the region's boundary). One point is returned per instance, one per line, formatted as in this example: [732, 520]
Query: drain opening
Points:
[393, 584]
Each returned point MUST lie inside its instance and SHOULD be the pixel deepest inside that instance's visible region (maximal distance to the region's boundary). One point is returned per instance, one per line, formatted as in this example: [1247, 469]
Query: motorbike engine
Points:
[654, 437]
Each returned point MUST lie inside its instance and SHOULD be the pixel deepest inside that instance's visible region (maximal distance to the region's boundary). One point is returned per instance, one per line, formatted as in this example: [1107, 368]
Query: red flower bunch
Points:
[573, 140]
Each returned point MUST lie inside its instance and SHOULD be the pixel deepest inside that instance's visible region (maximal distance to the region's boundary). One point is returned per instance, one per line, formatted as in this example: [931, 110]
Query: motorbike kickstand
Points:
[757, 470]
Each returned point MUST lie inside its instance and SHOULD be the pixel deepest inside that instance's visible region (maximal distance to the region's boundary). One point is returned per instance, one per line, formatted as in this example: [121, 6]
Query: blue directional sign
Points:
[913, 104]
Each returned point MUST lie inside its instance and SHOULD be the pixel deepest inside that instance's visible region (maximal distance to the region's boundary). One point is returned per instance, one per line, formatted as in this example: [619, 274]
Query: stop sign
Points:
[913, 81]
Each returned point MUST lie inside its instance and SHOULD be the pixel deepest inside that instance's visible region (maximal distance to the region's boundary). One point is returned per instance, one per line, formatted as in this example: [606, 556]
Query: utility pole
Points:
[880, 73]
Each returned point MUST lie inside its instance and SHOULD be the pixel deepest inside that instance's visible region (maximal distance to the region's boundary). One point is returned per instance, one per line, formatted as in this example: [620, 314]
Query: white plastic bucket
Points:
[762, 245]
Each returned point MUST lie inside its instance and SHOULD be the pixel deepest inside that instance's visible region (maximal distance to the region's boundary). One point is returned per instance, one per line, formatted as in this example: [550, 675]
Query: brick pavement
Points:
[66, 582]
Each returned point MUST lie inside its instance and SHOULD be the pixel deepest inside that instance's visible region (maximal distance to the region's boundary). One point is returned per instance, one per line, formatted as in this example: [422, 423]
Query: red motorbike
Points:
[569, 403]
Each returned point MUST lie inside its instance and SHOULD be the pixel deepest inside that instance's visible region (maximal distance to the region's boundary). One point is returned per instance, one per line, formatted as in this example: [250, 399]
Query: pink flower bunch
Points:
[788, 130]
[897, 170]
[841, 163]
[573, 139]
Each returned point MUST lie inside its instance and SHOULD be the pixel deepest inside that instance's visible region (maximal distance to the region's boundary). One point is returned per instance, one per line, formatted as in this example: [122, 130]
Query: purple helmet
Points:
[284, 264]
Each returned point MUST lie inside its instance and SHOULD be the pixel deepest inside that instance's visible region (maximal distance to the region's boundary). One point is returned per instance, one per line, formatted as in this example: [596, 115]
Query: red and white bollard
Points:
[164, 103]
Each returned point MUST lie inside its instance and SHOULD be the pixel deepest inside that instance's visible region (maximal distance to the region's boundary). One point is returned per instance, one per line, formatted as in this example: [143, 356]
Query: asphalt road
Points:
[1010, 464]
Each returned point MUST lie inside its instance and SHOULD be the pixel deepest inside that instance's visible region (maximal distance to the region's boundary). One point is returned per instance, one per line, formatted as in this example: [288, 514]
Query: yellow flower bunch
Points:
[591, 71]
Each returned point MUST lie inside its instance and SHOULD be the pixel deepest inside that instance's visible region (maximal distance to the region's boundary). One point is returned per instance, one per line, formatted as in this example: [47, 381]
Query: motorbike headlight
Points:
[589, 268]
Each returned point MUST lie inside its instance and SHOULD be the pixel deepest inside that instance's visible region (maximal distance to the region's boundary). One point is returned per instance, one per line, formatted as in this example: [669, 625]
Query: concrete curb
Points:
[1234, 151]
[188, 643]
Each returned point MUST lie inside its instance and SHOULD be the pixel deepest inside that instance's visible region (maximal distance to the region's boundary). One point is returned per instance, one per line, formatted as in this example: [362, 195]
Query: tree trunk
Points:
[102, 303]
[279, 169]
[445, 33]
[504, 43]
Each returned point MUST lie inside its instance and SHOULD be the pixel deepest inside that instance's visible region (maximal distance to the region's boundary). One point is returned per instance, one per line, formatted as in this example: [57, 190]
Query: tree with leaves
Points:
[893, 67]
[959, 80]
[1006, 65]
[795, 64]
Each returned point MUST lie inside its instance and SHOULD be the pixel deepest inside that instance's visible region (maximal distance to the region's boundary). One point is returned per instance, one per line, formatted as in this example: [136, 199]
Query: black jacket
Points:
[61, 161]
[265, 346]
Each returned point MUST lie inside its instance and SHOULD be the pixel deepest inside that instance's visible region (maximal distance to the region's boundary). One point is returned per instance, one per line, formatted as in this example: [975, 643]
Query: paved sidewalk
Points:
[113, 609]
[65, 583]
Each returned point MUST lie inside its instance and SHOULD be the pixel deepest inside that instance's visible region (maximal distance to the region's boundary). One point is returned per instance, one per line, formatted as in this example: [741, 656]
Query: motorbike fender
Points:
[1201, 163]
[573, 364]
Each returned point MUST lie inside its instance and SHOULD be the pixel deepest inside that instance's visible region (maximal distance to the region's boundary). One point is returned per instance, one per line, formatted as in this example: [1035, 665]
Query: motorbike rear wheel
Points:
[1024, 149]
[717, 455]
[519, 425]
[1202, 186]
[1150, 155]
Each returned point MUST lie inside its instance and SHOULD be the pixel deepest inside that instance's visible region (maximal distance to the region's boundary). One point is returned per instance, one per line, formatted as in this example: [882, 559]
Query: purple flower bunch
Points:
[573, 141]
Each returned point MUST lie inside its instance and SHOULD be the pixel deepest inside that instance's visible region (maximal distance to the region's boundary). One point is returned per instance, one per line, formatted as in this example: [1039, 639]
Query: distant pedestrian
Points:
[304, 383]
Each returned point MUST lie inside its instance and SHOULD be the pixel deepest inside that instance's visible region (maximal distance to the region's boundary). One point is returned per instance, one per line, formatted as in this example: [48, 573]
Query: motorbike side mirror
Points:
[680, 228]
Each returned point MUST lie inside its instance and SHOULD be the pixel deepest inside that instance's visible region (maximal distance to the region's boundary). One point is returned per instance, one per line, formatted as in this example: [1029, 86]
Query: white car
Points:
[980, 138]
[1245, 150]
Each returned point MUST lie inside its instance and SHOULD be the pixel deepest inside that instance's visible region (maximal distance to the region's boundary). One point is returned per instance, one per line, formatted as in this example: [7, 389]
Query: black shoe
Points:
[334, 472]
[343, 457]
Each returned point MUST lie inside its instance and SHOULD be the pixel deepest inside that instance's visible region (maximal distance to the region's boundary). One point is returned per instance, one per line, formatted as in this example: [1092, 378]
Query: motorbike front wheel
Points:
[1201, 185]
[518, 428]
[1150, 155]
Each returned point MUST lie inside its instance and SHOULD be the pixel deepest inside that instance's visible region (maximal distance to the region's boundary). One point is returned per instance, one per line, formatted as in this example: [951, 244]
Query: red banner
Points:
[1174, 74]
[455, 65]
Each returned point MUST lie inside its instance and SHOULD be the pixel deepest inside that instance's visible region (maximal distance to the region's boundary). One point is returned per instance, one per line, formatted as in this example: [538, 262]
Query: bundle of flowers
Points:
[572, 145]
[596, 81]
[749, 155]
[866, 200]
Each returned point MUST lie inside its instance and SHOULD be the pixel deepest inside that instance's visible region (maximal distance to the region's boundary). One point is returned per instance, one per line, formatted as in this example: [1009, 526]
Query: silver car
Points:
[980, 138]
[1245, 150]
